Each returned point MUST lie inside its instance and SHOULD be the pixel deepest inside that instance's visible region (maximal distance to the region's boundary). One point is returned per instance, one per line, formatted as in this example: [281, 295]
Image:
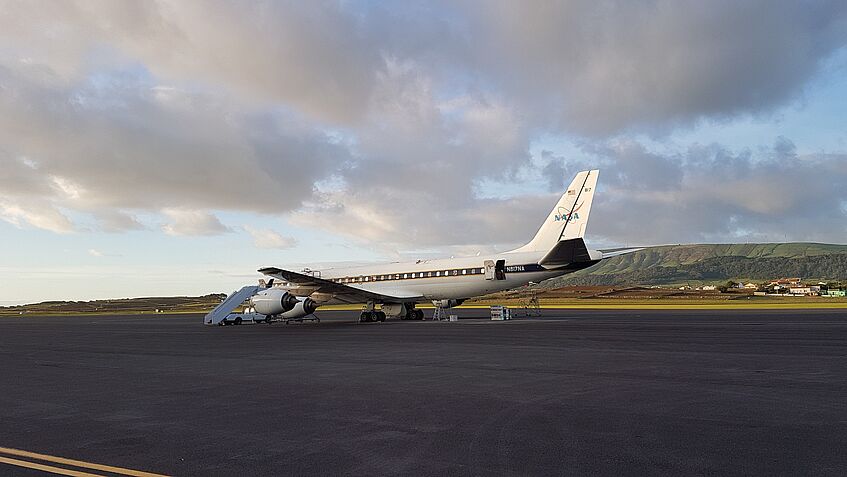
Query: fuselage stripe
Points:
[417, 275]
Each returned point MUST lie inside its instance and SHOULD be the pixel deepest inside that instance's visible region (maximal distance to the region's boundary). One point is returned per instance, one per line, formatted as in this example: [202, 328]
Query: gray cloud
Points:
[419, 157]
[107, 144]
[713, 194]
[310, 55]
[605, 67]
[382, 121]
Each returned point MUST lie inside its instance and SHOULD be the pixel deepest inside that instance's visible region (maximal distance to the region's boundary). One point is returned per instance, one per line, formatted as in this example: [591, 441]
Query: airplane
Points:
[558, 248]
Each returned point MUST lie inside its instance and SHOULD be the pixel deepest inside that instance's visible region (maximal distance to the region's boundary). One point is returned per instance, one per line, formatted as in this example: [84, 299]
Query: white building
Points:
[800, 290]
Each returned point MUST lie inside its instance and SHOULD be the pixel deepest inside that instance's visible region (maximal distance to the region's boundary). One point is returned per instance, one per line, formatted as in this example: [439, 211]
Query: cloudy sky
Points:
[173, 147]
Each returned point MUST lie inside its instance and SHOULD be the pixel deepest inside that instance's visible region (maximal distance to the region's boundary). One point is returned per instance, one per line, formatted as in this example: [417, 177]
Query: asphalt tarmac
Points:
[570, 393]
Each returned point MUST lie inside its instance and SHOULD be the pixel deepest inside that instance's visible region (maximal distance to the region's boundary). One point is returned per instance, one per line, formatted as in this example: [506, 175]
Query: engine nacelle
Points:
[273, 301]
[447, 303]
[304, 307]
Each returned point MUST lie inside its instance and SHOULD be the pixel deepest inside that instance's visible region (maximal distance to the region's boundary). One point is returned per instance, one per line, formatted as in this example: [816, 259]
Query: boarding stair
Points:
[216, 316]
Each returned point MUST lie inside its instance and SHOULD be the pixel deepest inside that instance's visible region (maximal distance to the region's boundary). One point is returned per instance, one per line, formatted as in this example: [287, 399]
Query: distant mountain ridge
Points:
[674, 264]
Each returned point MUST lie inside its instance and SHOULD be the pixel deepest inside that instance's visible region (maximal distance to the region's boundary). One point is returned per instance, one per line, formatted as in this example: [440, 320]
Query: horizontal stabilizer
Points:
[614, 252]
[565, 252]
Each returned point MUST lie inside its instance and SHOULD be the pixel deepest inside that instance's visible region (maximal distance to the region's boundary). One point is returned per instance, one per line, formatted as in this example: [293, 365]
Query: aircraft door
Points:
[500, 270]
[489, 269]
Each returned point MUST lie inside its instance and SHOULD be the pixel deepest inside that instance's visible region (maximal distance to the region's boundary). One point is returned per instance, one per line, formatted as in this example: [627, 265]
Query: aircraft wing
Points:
[345, 293]
[614, 252]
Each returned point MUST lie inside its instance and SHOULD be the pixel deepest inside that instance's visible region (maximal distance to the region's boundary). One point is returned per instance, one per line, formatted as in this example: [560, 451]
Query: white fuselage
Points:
[445, 279]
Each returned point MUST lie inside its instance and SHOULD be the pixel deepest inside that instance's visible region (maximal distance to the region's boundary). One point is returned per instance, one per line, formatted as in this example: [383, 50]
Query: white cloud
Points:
[267, 238]
[36, 214]
[192, 222]
[94, 252]
[116, 221]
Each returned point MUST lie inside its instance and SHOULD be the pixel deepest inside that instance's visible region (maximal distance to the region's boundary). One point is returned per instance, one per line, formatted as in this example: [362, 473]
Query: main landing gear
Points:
[404, 311]
[413, 314]
[371, 316]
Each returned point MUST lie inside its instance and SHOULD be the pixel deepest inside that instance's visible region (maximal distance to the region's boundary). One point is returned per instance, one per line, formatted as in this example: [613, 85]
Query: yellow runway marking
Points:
[62, 460]
[46, 468]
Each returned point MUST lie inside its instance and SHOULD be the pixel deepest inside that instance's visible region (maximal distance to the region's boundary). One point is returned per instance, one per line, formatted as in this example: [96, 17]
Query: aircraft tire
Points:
[380, 316]
[419, 315]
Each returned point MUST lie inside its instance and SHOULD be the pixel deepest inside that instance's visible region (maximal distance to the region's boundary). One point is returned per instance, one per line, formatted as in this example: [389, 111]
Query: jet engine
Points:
[274, 301]
[447, 303]
[305, 307]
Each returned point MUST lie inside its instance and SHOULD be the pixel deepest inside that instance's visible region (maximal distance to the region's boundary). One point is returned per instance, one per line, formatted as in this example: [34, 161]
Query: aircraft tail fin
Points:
[569, 218]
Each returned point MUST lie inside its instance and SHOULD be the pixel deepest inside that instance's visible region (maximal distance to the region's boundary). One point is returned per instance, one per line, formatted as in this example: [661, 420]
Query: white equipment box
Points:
[500, 313]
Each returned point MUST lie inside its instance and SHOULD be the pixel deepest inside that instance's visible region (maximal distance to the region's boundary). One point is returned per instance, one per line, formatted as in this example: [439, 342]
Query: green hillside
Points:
[122, 305]
[674, 264]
